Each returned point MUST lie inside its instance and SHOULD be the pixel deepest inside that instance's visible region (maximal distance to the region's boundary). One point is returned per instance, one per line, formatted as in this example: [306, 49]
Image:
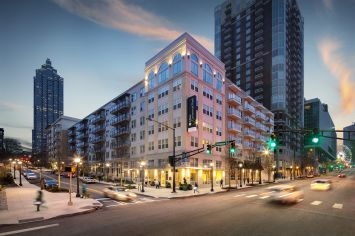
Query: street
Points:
[243, 212]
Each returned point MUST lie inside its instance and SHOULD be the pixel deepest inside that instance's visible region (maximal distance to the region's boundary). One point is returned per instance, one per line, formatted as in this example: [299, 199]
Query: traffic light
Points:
[315, 136]
[171, 160]
[209, 149]
[272, 142]
[232, 148]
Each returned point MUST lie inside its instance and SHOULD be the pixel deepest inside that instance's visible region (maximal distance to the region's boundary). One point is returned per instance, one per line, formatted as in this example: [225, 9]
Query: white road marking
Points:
[104, 198]
[316, 203]
[250, 196]
[239, 195]
[338, 206]
[267, 193]
[263, 197]
[108, 201]
[112, 205]
[28, 229]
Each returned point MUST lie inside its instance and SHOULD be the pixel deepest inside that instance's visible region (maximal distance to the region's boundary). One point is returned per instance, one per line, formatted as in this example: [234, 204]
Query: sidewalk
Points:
[20, 208]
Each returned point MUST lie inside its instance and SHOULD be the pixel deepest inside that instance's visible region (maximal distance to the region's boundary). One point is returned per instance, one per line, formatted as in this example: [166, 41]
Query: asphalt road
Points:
[242, 212]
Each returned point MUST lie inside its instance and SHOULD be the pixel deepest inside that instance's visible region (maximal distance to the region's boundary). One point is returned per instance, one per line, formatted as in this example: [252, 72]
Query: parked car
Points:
[286, 194]
[31, 176]
[342, 175]
[119, 193]
[88, 180]
[50, 183]
[67, 175]
[26, 172]
[321, 184]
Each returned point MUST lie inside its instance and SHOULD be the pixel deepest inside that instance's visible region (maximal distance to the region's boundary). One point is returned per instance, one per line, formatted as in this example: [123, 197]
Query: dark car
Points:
[50, 183]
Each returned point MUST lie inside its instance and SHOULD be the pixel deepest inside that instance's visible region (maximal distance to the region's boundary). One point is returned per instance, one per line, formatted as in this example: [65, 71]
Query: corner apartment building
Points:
[261, 44]
[349, 134]
[57, 141]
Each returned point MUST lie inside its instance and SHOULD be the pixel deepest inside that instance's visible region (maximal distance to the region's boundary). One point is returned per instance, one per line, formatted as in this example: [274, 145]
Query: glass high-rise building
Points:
[47, 106]
[261, 44]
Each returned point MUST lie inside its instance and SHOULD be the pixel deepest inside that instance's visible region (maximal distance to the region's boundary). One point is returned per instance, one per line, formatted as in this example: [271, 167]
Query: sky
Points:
[100, 47]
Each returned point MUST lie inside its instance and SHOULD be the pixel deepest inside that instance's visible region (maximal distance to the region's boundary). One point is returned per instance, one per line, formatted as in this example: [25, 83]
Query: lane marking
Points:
[338, 206]
[102, 199]
[263, 197]
[250, 196]
[316, 203]
[28, 229]
[112, 205]
[267, 193]
[108, 201]
[239, 195]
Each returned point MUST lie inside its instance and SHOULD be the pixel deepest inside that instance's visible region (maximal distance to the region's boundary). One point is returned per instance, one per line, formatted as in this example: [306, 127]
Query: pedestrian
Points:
[196, 188]
[39, 199]
[185, 182]
[221, 183]
[158, 184]
[84, 190]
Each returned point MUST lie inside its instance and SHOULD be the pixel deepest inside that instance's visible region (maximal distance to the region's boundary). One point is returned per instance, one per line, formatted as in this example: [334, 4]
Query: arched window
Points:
[163, 73]
[219, 82]
[177, 64]
[207, 74]
[151, 80]
[194, 64]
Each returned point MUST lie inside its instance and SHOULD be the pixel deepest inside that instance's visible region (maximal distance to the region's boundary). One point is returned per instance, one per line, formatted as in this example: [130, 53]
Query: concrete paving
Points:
[21, 208]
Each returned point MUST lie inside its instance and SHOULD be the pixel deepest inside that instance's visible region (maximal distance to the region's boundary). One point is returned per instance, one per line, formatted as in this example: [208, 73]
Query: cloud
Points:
[11, 125]
[127, 17]
[9, 106]
[332, 58]
[328, 4]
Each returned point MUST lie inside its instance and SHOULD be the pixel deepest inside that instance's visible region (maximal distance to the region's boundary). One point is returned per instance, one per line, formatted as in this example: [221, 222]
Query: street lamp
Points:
[211, 165]
[240, 165]
[77, 161]
[108, 166]
[273, 167]
[142, 164]
[174, 163]
[290, 172]
[14, 163]
[20, 163]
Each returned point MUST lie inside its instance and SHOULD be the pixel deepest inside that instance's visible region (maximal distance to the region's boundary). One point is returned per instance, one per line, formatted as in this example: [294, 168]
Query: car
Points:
[50, 183]
[321, 184]
[342, 175]
[26, 172]
[119, 193]
[286, 194]
[31, 176]
[88, 180]
[67, 175]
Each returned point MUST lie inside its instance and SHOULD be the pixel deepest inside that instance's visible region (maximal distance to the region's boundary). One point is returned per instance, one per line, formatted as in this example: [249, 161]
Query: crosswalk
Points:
[108, 202]
[267, 195]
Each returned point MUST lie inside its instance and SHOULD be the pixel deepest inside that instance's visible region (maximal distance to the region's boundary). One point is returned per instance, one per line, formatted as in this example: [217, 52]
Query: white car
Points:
[119, 193]
[31, 176]
[286, 194]
[88, 180]
[321, 184]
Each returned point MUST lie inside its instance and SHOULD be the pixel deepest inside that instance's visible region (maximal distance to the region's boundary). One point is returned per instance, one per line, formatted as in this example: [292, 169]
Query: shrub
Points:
[167, 185]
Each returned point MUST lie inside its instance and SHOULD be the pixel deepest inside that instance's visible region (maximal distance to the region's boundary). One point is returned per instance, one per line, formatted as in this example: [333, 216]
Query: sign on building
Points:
[191, 113]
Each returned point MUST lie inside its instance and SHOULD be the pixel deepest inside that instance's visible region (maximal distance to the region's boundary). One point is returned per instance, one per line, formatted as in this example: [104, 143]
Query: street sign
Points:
[221, 143]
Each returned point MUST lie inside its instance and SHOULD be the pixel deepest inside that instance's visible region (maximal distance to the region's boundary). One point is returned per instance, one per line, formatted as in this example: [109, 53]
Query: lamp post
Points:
[273, 167]
[290, 172]
[142, 167]
[77, 161]
[10, 161]
[14, 163]
[174, 165]
[211, 165]
[108, 168]
[20, 163]
[240, 165]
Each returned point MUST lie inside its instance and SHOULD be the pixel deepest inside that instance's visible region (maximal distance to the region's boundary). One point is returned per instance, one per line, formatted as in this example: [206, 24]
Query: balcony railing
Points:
[119, 106]
[81, 127]
[97, 139]
[119, 131]
[82, 135]
[234, 112]
[249, 133]
[249, 107]
[98, 129]
[260, 115]
[97, 119]
[249, 120]
[234, 127]
[117, 120]
[234, 98]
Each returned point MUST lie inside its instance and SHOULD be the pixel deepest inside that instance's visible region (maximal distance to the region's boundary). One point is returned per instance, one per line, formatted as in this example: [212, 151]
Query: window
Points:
[133, 150]
[151, 113]
[141, 106]
[177, 64]
[178, 141]
[194, 85]
[163, 91]
[163, 143]
[207, 110]
[219, 131]
[133, 97]
[133, 110]
[163, 109]
[162, 128]
[150, 129]
[133, 124]
[177, 85]
[218, 149]
[194, 162]
[141, 134]
[218, 164]
[177, 103]
[194, 141]
[151, 98]
[163, 73]
[151, 80]
[141, 120]
[133, 137]
[177, 122]
[219, 99]
[219, 82]
[207, 127]
[208, 93]
[219, 115]
[207, 74]
[194, 64]
[142, 148]
[151, 146]
[141, 92]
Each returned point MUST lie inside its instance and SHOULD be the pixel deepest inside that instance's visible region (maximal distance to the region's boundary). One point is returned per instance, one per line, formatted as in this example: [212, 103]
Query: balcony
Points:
[234, 127]
[248, 145]
[260, 126]
[71, 140]
[80, 144]
[119, 131]
[260, 116]
[97, 119]
[249, 133]
[249, 108]
[98, 129]
[81, 127]
[234, 99]
[119, 107]
[234, 113]
[71, 132]
[248, 120]
[81, 136]
[97, 139]
[120, 119]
